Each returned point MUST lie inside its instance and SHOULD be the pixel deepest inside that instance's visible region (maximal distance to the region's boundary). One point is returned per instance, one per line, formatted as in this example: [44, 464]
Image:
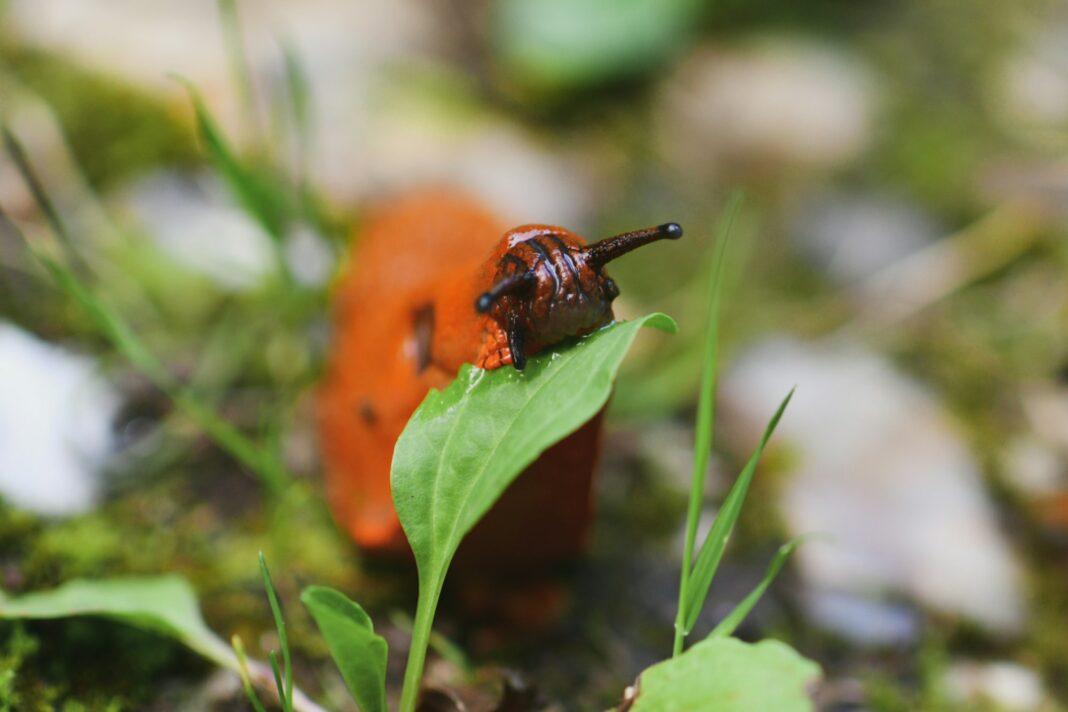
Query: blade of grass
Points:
[234, 39]
[299, 106]
[259, 197]
[708, 558]
[118, 332]
[279, 685]
[738, 614]
[706, 408]
[286, 693]
[246, 682]
[33, 183]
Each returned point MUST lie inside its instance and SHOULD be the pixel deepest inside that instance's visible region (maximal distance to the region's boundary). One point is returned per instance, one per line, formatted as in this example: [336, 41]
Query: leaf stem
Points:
[421, 630]
[706, 410]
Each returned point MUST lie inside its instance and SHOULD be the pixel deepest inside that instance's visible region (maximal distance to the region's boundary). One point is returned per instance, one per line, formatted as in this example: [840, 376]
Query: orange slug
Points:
[435, 282]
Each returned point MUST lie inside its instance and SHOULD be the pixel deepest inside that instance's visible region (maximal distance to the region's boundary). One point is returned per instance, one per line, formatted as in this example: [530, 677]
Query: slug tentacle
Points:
[509, 285]
[516, 343]
[608, 249]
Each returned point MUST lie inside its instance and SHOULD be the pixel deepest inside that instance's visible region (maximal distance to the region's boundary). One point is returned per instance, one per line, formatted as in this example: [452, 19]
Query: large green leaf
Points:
[727, 675]
[360, 654]
[463, 446]
[163, 604]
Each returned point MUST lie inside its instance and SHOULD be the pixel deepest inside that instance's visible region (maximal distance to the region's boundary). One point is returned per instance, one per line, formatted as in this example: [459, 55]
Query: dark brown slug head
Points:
[549, 285]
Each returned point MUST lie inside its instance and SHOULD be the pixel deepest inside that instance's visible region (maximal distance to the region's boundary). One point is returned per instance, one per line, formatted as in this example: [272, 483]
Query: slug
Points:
[436, 281]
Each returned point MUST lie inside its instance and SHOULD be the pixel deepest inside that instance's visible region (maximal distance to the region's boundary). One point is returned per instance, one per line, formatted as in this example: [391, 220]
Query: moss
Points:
[114, 130]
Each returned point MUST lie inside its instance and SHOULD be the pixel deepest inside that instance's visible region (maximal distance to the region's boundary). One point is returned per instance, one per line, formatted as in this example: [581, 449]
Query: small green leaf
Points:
[463, 446]
[358, 652]
[708, 558]
[727, 675]
[733, 619]
[164, 604]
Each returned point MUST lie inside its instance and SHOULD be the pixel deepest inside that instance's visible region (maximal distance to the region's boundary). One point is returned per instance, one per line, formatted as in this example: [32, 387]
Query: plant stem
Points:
[706, 412]
[421, 630]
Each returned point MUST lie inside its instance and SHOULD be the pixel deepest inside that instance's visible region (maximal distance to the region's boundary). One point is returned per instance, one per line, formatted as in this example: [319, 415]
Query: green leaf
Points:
[733, 619]
[164, 604]
[161, 604]
[358, 652]
[463, 446]
[553, 45]
[727, 675]
[708, 558]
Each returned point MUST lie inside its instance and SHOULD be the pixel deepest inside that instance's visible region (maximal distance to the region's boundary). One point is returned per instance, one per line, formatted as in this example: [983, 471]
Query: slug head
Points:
[549, 285]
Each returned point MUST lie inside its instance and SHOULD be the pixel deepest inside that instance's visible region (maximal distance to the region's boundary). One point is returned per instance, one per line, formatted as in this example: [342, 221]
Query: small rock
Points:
[194, 221]
[1034, 469]
[769, 103]
[852, 236]
[883, 471]
[1031, 86]
[1007, 685]
[860, 620]
[309, 257]
[56, 417]
[412, 141]
[1046, 408]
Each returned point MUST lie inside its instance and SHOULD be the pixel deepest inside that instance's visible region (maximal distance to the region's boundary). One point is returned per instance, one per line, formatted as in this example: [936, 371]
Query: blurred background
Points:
[900, 257]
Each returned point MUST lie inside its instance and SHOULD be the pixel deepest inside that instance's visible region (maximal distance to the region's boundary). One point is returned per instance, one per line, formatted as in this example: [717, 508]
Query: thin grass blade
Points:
[235, 48]
[270, 471]
[279, 685]
[706, 414]
[286, 693]
[260, 198]
[246, 681]
[33, 183]
[708, 558]
[732, 620]
[129, 345]
[299, 95]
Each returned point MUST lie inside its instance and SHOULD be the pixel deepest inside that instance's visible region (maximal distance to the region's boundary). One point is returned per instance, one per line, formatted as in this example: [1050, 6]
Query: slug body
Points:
[435, 282]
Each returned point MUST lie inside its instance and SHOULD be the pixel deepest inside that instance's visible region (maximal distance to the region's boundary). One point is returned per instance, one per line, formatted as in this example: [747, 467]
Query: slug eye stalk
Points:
[508, 285]
[608, 249]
